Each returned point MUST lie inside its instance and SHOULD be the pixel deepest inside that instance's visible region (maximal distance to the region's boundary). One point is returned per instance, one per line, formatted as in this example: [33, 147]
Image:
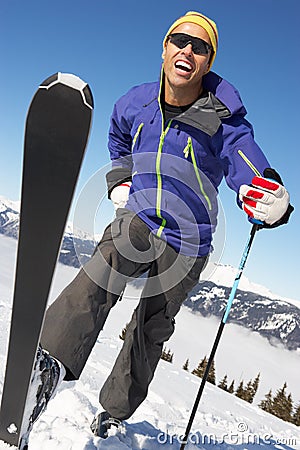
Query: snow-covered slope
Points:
[223, 421]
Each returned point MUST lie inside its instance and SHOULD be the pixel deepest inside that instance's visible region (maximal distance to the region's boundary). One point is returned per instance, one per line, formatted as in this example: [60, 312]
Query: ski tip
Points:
[72, 81]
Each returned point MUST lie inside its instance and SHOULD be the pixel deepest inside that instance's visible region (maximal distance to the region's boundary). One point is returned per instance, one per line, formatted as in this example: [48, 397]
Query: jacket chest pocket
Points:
[137, 135]
[188, 151]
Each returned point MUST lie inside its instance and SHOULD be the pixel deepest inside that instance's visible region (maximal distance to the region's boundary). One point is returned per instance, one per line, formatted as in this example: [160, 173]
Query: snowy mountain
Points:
[77, 246]
[258, 310]
[277, 320]
[223, 421]
[9, 218]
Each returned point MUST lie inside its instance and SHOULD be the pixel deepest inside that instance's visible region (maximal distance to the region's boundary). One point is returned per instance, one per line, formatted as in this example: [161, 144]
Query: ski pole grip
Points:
[256, 221]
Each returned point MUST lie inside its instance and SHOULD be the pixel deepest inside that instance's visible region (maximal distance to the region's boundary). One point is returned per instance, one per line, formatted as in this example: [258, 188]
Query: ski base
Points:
[56, 134]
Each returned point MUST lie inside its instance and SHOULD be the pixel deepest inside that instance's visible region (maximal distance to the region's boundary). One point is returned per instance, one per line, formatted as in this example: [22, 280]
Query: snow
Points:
[223, 422]
[287, 320]
[14, 205]
[71, 231]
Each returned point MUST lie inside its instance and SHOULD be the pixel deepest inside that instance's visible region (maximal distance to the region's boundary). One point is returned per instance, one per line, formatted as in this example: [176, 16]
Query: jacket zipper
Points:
[137, 135]
[158, 161]
[190, 149]
[159, 178]
[249, 163]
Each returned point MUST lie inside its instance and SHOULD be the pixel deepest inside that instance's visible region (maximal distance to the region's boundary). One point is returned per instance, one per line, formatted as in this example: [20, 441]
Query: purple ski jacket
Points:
[176, 167]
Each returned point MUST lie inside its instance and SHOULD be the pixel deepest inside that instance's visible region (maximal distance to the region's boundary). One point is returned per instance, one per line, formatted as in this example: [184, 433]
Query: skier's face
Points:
[183, 68]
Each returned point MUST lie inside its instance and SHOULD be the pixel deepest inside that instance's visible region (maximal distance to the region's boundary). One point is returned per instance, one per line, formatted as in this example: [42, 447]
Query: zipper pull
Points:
[187, 149]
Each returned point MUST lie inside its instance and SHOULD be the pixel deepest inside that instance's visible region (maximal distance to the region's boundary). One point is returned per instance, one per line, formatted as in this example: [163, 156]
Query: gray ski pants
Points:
[72, 324]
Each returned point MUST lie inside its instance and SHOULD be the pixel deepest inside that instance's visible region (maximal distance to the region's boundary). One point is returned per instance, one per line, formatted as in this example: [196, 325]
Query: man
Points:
[171, 143]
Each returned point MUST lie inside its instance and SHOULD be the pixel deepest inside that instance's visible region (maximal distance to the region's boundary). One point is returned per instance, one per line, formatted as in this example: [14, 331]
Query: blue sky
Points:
[116, 45]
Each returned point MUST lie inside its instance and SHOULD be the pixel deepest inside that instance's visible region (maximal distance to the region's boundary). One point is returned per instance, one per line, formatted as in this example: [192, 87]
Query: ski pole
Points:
[254, 228]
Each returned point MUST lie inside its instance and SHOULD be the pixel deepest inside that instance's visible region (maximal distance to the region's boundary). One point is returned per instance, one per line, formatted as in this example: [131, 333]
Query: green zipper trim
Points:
[191, 149]
[158, 161]
[159, 179]
[137, 134]
[247, 161]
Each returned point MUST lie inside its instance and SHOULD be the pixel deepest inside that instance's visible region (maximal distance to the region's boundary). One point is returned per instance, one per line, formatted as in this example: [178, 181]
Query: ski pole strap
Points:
[254, 228]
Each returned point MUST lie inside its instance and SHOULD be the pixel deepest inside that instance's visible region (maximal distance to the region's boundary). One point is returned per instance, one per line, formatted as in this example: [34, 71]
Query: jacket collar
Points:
[225, 92]
[206, 113]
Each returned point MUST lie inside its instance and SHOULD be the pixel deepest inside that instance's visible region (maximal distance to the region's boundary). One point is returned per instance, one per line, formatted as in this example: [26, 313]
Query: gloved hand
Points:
[119, 195]
[266, 200]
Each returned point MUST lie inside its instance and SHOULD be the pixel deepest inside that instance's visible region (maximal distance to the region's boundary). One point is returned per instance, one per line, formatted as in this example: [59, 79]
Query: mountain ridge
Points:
[77, 245]
[277, 320]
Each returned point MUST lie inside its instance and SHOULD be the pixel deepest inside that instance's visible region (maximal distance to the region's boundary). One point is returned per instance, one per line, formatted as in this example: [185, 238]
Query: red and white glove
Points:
[266, 200]
[119, 195]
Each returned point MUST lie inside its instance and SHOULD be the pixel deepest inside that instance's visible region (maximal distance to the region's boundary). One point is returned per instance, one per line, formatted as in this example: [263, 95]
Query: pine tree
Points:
[123, 332]
[212, 373]
[231, 387]
[289, 409]
[267, 403]
[296, 416]
[240, 390]
[254, 387]
[186, 365]
[167, 355]
[247, 394]
[223, 383]
[199, 371]
[283, 404]
[255, 383]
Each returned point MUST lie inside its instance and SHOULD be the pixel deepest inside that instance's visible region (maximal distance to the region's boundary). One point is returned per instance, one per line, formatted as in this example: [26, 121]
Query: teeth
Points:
[183, 64]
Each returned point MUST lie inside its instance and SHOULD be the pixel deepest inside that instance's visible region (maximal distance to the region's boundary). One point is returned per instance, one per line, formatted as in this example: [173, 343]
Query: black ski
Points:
[57, 129]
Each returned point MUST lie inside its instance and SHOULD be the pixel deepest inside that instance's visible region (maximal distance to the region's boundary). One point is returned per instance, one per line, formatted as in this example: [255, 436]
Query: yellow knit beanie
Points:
[199, 19]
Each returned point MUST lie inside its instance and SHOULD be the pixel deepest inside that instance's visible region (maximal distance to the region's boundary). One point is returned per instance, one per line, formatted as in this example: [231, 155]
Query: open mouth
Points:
[183, 66]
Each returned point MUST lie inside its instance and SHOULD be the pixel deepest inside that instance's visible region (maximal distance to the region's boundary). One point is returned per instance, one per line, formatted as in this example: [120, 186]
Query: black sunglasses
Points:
[181, 40]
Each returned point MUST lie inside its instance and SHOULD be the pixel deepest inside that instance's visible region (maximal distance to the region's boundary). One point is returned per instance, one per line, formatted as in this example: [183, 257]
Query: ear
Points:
[164, 52]
[207, 67]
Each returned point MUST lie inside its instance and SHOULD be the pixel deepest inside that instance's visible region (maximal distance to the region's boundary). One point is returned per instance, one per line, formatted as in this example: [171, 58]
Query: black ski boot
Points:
[102, 423]
[46, 377]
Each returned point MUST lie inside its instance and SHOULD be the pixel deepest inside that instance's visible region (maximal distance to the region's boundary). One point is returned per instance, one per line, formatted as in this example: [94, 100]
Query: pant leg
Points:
[74, 320]
[151, 325]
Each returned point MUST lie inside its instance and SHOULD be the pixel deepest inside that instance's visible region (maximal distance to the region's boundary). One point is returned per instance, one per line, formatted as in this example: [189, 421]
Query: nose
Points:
[188, 49]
